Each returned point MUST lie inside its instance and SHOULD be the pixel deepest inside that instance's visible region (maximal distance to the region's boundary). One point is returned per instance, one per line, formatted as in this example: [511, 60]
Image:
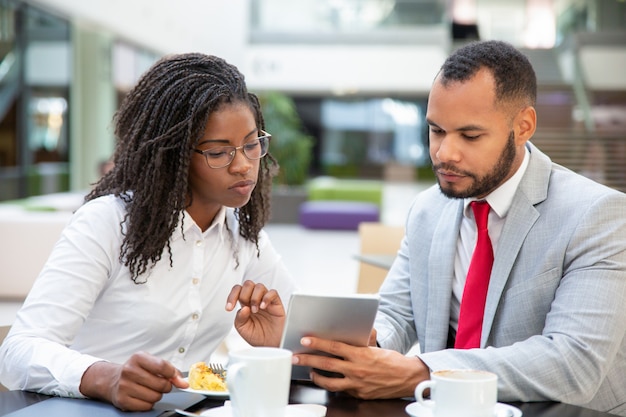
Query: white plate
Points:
[220, 394]
[500, 410]
[293, 410]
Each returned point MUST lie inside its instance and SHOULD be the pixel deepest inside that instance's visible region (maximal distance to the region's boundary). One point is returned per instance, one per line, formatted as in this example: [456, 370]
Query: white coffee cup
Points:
[258, 381]
[460, 392]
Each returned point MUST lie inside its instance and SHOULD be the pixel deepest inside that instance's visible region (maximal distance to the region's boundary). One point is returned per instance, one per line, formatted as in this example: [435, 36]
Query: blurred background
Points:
[345, 81]
[343, 85]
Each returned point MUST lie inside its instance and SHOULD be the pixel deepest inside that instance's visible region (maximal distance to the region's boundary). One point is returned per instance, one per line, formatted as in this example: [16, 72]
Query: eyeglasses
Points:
[222, 156]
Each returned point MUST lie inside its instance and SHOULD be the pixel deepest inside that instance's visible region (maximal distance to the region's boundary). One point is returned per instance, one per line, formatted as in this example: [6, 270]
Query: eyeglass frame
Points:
[233, 150]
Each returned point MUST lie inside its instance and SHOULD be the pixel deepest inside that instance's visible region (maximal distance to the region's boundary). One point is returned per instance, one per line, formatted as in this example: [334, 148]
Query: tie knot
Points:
[481, 213]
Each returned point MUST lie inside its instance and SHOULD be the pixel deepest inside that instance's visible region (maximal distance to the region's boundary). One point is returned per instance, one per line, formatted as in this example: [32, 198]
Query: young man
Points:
[552, 321]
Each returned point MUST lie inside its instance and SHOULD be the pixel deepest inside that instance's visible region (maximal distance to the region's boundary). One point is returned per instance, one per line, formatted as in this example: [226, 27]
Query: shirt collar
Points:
[501, 198]
[219, 223]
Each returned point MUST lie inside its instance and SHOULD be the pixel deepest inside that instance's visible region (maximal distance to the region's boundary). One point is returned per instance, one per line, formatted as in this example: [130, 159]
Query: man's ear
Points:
[525, 125]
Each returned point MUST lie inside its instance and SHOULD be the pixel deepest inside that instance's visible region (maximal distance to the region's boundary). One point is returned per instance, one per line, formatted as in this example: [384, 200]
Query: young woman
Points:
[145, 279]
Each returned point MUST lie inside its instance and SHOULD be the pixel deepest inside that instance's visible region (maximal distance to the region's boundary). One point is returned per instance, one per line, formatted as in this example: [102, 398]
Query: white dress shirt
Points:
[500, 201]
[84, 306]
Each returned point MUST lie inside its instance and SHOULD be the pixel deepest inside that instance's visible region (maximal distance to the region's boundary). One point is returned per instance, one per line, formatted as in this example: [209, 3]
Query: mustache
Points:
[452, 169]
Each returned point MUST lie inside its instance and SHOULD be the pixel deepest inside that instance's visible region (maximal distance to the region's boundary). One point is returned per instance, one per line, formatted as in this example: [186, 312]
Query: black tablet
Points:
[345, 318]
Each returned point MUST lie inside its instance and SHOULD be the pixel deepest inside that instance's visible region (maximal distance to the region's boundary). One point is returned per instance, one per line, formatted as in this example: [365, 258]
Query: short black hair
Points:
[513, 73]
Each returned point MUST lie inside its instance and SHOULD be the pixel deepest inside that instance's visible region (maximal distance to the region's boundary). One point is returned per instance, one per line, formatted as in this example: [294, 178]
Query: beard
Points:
[483, 185]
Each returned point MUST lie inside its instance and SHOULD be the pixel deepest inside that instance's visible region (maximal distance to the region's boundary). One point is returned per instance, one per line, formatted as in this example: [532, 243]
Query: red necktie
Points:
[476, 283]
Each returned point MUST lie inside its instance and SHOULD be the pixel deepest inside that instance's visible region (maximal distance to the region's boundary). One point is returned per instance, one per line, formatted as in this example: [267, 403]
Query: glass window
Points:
[48, 128]
[371, 132]
[313, 20]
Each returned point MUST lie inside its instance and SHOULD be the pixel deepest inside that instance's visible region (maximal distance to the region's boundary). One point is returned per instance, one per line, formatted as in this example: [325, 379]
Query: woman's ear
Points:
[525, 125]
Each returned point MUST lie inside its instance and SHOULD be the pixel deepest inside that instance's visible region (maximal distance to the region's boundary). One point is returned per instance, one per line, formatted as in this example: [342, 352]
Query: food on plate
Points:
[201, 377]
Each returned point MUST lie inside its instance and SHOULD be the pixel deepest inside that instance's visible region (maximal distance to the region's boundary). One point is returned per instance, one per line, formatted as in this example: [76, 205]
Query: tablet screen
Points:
[345, 318]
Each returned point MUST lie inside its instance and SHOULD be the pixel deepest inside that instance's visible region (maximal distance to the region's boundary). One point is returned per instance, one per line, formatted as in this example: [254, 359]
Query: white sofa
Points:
[28, 233]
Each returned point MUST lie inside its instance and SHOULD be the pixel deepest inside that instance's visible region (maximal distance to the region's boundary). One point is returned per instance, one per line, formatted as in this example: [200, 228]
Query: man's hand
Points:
[369, 372]
[261, 319]
[134, 386]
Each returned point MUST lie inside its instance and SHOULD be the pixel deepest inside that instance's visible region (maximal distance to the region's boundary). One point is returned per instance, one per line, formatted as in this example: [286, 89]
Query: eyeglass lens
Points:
[222, 156]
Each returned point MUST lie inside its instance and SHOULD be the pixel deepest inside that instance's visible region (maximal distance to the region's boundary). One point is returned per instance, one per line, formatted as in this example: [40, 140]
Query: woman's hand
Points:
[134, 386]
[261, 319]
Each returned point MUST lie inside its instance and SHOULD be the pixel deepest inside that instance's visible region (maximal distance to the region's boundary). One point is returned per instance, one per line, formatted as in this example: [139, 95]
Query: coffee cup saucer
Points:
[500, 410]
[293, 410]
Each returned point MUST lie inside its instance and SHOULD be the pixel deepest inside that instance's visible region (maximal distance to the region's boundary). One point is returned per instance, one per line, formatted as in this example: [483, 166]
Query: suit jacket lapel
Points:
[519, 220]
[440, 276]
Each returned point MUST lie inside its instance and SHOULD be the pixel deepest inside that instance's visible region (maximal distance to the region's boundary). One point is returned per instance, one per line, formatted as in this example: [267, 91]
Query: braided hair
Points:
[513, 73]
[157, 126]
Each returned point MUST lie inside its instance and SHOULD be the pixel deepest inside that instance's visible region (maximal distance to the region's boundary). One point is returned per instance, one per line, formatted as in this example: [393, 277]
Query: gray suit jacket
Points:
[555, 319]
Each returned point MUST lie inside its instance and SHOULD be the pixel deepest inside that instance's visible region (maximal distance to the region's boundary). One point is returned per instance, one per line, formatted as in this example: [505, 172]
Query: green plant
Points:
[290, 145]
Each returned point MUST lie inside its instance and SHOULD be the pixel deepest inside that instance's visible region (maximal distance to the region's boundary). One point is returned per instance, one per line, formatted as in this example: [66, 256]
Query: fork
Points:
[217, 368]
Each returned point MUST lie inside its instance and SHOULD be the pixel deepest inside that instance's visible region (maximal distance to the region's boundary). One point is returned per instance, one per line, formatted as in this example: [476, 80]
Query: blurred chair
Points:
[4, 330]
[376, 239]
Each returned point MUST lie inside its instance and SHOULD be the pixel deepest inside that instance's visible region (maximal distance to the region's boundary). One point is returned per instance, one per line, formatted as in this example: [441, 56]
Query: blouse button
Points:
[195, 316]
[195, 281]
[181, 350]
[199, 242]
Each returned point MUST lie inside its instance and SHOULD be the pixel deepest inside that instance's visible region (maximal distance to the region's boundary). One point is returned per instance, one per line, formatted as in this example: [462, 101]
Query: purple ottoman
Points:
[337, 215]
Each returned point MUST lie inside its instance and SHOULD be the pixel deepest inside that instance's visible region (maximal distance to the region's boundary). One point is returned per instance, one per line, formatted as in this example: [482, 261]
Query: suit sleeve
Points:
[582, 343]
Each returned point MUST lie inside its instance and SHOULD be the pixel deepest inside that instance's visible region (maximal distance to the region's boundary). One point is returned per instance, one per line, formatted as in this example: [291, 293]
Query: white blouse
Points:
[84, 306]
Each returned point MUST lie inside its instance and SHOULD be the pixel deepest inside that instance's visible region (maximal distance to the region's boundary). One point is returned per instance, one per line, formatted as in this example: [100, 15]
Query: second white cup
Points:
[462, 392]
[258, 381]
